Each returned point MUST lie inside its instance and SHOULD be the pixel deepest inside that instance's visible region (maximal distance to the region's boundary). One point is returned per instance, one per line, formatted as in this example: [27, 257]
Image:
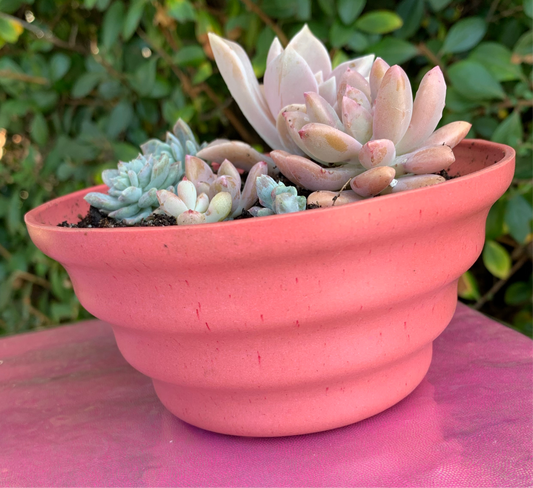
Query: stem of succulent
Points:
[335, 198]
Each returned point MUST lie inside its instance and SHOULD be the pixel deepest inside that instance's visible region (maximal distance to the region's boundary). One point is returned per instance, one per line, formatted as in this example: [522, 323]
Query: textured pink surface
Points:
[288, 324]
[74, 413]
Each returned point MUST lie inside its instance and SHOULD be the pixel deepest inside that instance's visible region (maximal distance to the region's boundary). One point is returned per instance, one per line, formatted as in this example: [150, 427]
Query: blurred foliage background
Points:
[83, 83]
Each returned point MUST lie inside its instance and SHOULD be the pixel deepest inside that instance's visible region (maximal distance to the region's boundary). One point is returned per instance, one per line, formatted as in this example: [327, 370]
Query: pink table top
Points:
[74, 413]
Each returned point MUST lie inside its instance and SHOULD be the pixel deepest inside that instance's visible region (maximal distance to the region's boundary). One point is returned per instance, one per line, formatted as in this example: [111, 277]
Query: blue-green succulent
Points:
[276, 198]
[133, 186]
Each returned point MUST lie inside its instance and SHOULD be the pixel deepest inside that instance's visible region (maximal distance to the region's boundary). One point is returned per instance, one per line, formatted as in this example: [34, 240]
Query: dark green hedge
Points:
[83, 83]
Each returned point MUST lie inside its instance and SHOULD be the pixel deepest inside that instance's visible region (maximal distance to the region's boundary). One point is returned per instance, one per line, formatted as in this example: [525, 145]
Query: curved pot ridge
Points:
[285, 324]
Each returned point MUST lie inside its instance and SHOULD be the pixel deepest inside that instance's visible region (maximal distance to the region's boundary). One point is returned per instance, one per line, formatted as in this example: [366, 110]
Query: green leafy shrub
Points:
[83, 84]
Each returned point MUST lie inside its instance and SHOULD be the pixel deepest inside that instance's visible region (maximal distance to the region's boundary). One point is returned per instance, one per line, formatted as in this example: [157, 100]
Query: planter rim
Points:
[30, 218]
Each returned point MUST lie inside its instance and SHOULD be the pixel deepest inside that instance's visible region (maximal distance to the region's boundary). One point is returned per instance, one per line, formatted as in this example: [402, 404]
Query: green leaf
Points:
[358, 41]
[181, 10]
[472, 80]
[339, 34]
[522, 47]
[11, 6]
[464, 35]
[518, 216]
[120, 119]
[10, 30]
[379, 22]
[517, 293]
[438, 5]
[204, 71]
[133, 17]
[496, 259]
[189, 56]
[412, 13]
[349, 10]
[112, 24]
[144, 78]
[327, 6]
[497, 59]
[394, 51]
[468, 287]
[494, 227]
[528, 8]
[39, 129]
[85, 84]
[59, 65]
[509, 131]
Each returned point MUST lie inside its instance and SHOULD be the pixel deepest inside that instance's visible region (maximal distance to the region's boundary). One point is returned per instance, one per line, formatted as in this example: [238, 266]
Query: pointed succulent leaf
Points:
[130, 195]
[121, 183]
[202, 203]
[355, 80]
[148, 199]
[144, 213]
[319, 110]
[393, 106]
[379, 68]
[191, 217]
[286, 79]
[379, 152]
[427, 111]
[312, 51]
[309, 174]
[333, 198]
[154, 146]
[144, 174]
[229, 185]
[283, 129]
[249, 193]
[417, 181]
[328, 144]
[108, 175]
[187, 192]
[184, 133]
[191, 148]
[242, 155]
[264, 186]
[227, 168]
[294, 122]
[160, 171]
[238, 73]
[355, 95]
[170, 203]
[373, 181]
[219, 208]
[357, 120]
[328, 90]
[274, 51]
[103, 201]
[175, 173]
[199, 172]
[361, 65]
[450, 134]
[125, 212]
[430, 159]
[132, 175]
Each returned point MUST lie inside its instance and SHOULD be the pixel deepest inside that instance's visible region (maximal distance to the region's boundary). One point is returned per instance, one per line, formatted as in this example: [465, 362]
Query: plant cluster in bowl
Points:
[338, 135]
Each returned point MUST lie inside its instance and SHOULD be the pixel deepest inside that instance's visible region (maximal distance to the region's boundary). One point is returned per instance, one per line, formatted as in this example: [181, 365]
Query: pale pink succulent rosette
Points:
[356, 123]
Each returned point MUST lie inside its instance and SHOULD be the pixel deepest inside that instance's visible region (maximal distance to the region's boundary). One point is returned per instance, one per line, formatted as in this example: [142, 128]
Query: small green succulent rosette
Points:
[276, 198]
[133, 186]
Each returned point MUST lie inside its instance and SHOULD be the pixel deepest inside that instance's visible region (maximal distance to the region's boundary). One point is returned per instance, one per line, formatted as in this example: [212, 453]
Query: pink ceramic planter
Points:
[287, 324]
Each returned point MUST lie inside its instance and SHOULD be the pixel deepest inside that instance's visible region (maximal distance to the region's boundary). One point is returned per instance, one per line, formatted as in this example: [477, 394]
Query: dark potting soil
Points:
[94, 219]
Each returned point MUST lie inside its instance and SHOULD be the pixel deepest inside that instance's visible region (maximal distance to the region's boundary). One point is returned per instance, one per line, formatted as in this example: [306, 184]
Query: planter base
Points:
[275, 413]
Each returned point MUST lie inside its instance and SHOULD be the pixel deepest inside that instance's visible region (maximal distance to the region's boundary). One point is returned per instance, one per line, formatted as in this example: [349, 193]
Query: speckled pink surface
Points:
[74, 413]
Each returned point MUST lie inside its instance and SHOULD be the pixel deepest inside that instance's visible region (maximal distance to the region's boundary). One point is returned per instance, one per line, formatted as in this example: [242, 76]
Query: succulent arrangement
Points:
[342, 135]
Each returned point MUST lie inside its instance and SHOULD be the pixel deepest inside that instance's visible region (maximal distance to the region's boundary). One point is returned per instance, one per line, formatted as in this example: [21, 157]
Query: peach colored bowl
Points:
[287, 324]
